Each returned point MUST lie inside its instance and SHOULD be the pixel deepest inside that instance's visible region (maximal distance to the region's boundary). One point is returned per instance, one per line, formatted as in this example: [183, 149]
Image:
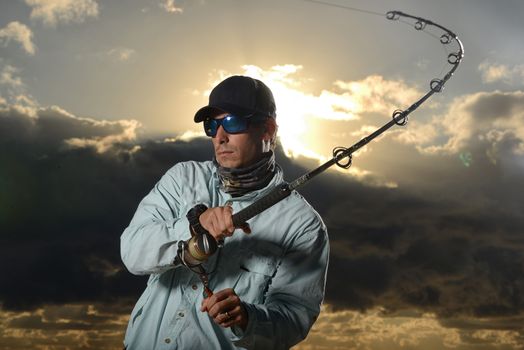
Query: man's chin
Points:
[227, 163]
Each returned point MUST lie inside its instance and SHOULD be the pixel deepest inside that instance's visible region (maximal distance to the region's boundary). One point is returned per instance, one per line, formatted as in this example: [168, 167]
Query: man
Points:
[268, 285]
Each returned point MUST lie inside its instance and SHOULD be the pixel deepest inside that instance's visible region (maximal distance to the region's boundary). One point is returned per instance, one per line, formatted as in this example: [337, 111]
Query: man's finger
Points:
[228, 219]
[218, 308]
[245, 227]
[208, 303]
[231, 322]
[218, 300]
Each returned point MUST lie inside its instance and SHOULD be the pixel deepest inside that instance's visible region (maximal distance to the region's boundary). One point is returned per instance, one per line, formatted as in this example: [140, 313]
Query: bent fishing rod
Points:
[399, 117]
[202, 245]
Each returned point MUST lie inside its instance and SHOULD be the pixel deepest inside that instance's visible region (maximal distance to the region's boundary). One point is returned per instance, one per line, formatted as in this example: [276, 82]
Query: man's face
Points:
[239, 150]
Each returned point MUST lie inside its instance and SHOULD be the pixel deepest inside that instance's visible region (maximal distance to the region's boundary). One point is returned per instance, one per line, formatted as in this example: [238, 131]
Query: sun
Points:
[295, 107]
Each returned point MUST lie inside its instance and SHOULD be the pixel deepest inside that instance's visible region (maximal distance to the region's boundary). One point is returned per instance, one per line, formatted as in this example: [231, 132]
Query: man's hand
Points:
[226, 309]
[218, 222]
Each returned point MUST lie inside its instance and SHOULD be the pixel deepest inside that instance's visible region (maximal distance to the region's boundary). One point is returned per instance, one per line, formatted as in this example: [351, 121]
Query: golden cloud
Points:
[483, 119]
[169, 6]
[493, 72]
[52, 12]
[70, 326]
[19, 32]
[374, 329]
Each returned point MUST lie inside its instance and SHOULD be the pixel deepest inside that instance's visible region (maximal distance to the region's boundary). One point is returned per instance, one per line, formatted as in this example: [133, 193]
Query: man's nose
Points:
[222, 136]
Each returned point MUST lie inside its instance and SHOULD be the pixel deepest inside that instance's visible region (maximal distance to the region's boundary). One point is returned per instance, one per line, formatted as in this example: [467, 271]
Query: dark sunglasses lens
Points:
[210, 127]
[231, 124]
[234, 125]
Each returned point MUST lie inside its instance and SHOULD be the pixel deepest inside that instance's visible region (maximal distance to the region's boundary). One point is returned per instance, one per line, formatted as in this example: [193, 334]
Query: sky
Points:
[426, 227]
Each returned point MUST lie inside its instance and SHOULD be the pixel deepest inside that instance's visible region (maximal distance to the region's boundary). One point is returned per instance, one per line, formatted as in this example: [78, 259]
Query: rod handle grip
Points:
[276, 195]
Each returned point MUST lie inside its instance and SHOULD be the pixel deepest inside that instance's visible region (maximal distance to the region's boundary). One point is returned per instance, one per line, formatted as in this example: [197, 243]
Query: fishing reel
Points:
[201, 245]
[195, 251]
[198, 249]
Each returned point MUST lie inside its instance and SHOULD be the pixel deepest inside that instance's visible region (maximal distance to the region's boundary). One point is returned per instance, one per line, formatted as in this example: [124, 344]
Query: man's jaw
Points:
[225, 157]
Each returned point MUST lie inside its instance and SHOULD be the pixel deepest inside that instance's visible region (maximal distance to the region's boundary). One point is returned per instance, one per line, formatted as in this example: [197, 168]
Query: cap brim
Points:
[206, 112]
[211, 111]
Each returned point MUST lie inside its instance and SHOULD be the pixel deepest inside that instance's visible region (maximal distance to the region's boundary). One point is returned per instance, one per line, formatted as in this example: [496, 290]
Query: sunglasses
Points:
[231, 124]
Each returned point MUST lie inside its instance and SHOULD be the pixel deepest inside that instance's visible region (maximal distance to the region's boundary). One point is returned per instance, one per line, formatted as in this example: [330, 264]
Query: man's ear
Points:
[270, 128]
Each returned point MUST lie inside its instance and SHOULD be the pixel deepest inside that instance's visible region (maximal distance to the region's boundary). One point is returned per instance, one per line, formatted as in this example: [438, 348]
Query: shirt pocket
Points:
[255, 277]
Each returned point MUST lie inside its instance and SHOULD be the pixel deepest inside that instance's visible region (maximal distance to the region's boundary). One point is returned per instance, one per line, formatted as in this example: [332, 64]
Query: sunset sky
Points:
[97, 99]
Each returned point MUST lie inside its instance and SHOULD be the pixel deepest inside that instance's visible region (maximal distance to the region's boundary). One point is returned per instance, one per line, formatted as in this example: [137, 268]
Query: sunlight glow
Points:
[294, 107]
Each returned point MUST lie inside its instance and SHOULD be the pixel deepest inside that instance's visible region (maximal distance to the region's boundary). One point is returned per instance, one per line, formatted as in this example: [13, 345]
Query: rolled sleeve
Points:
[149, 244]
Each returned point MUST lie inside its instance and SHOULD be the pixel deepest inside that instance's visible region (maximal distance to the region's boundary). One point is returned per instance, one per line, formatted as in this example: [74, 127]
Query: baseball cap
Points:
[239, 95]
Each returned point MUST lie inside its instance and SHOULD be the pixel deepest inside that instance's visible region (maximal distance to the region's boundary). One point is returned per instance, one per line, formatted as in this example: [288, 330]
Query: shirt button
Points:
[167, 340]
[194, 286]
[181, 314]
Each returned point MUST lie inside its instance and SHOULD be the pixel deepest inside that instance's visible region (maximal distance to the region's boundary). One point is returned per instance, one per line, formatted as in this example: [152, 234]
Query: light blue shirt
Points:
[278, 271]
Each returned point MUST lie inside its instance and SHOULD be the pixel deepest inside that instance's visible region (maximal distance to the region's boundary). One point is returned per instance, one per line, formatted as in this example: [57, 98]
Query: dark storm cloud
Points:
[403, 249]
[450, 238]
[63, 208]
[450, 249]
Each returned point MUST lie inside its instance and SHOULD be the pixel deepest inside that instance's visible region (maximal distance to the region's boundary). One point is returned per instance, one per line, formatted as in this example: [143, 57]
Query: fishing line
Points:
[423, 28]
[346, 7]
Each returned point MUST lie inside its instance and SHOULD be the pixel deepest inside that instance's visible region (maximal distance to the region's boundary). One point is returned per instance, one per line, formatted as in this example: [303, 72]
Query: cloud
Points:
[375, 329]
[494, 72]
[19, 32]
[61, 129]
[117, 54]
[490, 123]
[53, 12]
[68, 167]
[498, 72]
[418, 133]
[13, 90]
[8, 76]
[348, 100]
[436, 254]
[170, 6]
[121, 54]
[376, 94]
[89, 326]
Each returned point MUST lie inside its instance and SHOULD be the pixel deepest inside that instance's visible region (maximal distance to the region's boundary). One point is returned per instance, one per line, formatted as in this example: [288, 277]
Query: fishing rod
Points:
[399, 117]
[201, 246]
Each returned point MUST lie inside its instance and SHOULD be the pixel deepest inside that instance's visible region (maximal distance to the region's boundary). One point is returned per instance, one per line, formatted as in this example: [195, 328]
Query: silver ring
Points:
[227, 315]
